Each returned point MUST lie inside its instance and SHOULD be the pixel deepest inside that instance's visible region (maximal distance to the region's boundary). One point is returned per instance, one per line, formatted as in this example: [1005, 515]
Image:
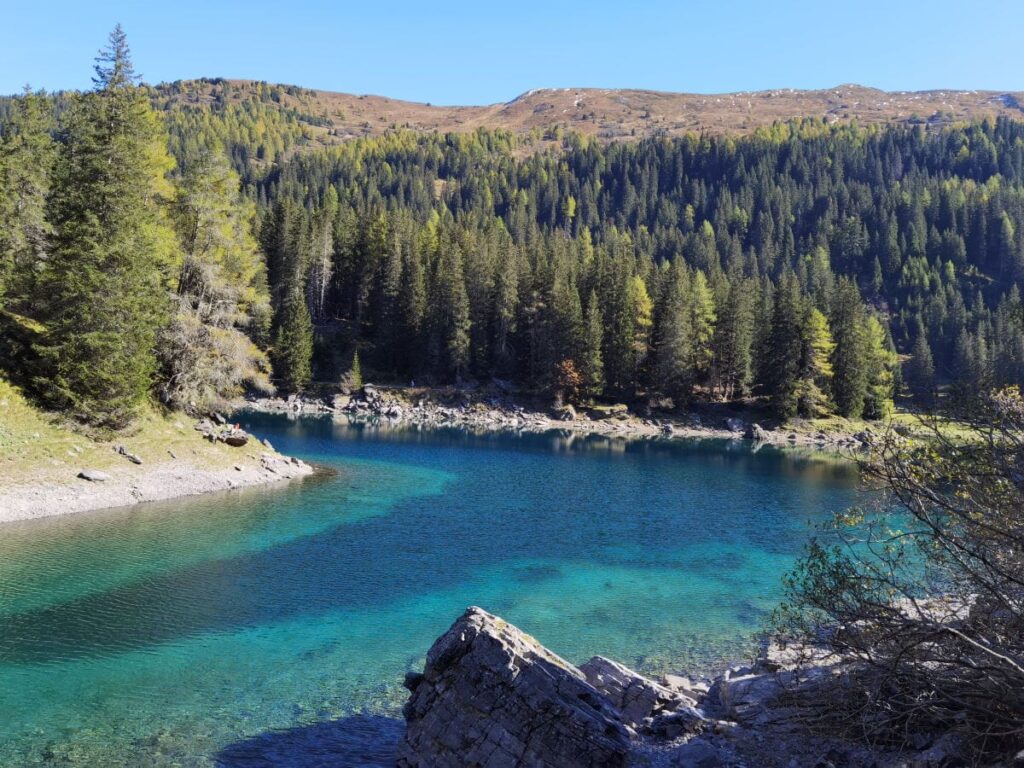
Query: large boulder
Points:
[493, 697]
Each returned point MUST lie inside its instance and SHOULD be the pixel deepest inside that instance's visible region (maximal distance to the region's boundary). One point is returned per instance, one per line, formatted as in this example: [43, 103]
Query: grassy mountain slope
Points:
[327, 118]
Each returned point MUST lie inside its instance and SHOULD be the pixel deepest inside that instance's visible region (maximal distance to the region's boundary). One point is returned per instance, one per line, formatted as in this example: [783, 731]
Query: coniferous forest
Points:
[150, 249]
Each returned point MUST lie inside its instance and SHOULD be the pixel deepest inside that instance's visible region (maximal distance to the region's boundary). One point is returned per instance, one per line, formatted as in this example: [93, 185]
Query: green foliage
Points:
[816, 373]
[293, 343]
[26, 160]
[207, 350]
[850, 358]
[103, 291]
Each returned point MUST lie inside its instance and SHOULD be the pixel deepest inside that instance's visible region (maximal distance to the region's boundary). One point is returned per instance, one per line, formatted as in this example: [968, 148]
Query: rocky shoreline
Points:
[495, 410]
[134, 479]
[491, 696]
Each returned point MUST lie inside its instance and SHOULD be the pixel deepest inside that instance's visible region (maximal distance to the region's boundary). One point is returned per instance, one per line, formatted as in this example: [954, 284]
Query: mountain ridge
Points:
[607, 114]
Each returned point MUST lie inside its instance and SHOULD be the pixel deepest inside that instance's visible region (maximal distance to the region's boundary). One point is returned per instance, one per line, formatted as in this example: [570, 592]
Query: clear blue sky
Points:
[456, 52]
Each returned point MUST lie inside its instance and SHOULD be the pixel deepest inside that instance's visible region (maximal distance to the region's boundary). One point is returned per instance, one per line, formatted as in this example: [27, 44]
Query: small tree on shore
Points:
[925, 594]
[352, 379]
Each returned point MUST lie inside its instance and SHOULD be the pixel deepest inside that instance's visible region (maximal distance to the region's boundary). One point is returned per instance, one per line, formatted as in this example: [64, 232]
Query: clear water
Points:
[273, 626]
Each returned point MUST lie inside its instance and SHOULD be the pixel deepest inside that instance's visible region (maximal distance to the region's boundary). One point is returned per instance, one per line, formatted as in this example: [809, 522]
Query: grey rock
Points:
[756, 432]
[735, 425]
[128, 455]
[564, 413]
[492, 697]
[673, 725]
[94, 476]
[636, 697]
[698, 753]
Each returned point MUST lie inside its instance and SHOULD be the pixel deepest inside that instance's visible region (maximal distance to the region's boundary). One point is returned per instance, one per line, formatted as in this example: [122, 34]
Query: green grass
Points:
[39, 447]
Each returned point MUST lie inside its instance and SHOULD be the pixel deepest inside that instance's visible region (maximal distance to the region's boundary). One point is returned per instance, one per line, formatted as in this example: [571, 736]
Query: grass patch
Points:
[40, 447]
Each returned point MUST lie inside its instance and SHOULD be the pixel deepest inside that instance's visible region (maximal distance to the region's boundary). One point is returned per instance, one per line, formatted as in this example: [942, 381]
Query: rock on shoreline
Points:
[491, 696]
[496, 410]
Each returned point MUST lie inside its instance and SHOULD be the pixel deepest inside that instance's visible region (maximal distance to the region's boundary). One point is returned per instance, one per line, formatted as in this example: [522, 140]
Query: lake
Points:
[274, 626]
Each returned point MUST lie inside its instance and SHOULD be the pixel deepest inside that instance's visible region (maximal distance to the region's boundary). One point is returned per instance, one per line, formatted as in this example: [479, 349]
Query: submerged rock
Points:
[491, 696]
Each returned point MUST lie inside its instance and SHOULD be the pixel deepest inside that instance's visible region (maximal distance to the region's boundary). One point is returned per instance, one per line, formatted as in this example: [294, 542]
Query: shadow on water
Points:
[500, 509]
[359, 741]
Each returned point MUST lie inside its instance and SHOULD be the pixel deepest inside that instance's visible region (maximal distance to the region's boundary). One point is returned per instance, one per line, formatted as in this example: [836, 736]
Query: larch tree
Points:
[207, 350]
[816, 372]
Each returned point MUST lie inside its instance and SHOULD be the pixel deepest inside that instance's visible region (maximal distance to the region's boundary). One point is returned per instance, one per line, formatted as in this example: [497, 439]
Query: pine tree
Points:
[106, 282]
[450, 321]
[732, 367]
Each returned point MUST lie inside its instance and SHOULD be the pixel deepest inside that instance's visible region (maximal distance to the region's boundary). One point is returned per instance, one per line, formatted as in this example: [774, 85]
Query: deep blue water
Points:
[234, 627]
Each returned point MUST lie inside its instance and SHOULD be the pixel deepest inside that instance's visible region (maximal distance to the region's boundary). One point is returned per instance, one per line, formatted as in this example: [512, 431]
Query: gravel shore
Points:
[132, 484]
[490, 411]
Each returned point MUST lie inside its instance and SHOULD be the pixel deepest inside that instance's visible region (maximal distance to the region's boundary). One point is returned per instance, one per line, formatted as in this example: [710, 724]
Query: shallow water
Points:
[273, 626]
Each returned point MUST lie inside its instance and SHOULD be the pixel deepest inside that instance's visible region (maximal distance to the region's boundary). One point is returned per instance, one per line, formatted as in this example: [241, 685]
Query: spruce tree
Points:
[732, 367]
[105, 288]
[785, 346]
[673, 371]
[850, 361]
[293, 342]
[921, 369]
[592, 364]
[26, 160]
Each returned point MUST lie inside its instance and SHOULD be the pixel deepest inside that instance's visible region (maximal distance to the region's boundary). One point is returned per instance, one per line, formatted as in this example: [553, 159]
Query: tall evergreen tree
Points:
[26, 160]
[674, 368]
[105, 286]
[816, 373]
[850, 357]
[921, 369]
[293, 341]
[732, 367]
[591, 363]
[785, 347]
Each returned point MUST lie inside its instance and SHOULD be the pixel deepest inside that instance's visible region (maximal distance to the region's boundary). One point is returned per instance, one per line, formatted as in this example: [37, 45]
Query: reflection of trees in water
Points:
[804, 462]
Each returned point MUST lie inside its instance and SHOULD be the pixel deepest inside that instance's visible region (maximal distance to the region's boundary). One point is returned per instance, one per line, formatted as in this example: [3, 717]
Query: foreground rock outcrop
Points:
[493, 697]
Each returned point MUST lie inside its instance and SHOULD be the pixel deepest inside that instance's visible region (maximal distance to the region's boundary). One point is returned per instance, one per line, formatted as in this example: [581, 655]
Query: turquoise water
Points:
[273, 626]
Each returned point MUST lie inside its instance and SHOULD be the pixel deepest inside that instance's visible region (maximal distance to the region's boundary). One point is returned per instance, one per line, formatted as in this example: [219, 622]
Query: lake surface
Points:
[274, 626]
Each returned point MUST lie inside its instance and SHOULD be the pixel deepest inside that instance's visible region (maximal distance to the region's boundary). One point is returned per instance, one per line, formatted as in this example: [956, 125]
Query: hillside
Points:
[329, 118]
